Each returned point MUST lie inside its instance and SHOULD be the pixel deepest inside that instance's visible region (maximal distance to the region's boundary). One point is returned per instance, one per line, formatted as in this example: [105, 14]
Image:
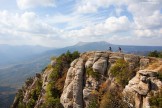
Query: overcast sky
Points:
[59, 23]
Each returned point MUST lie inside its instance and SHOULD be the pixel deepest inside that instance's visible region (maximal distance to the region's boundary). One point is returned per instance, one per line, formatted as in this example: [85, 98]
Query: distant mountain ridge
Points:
[102, 46]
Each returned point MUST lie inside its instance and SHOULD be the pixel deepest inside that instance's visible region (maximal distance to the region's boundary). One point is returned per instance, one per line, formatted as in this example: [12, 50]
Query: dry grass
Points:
[155, 66]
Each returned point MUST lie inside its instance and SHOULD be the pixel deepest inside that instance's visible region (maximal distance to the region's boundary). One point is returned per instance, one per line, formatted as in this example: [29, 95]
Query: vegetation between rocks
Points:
[156, 100]
[57, 78]
[155, 54]
[121, 72]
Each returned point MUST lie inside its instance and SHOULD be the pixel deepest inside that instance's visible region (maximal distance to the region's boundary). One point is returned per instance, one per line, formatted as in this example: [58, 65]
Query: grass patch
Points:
[90, 72]
[120, 71]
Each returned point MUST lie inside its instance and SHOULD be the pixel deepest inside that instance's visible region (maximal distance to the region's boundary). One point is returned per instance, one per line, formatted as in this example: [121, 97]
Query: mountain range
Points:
[20, 62]
[32, 59]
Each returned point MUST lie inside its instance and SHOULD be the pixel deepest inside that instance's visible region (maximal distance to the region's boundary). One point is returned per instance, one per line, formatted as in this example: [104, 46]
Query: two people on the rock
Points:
[119, 49]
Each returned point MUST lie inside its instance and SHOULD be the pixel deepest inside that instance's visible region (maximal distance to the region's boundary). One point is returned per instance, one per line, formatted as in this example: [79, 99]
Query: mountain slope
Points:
[97, 79]
[14, 54]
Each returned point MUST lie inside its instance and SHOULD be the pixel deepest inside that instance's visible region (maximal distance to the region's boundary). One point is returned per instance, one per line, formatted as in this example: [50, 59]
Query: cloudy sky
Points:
[59, 23]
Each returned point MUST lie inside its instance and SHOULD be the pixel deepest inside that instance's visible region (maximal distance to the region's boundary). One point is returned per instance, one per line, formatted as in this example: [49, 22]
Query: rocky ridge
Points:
[88, 73]
[76, 93]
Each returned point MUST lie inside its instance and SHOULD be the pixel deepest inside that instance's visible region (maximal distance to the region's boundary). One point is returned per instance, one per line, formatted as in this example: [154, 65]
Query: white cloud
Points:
[148, 32]
[147, 17]
[25, 4]
[26, 26]
[111, 25]
[89, 6]
[146, 21]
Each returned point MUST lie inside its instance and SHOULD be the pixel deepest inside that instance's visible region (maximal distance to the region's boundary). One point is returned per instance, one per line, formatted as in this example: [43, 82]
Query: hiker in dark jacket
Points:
[110, 49]
[119, 49]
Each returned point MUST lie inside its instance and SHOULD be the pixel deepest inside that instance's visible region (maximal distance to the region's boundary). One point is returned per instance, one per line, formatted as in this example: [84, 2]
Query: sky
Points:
[59, 23]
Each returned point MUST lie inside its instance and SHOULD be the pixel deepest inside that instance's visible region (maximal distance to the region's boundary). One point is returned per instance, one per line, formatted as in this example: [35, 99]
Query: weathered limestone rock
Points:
[72, 94]
[133, 60]
[115, 56]
[97, 55]
[141, 85]
[148, 73]
[89, 62]
[74, 62]
[100, 66]
[144, 62]
[46, 79]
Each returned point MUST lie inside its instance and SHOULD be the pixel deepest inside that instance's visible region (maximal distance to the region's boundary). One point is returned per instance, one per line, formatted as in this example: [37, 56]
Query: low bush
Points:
[31, 103]
[52, 103]
[93, 103]
[120, 71]
[156, 100]
[155, 54]
[113, 99]
[90, 72]
[29, 81]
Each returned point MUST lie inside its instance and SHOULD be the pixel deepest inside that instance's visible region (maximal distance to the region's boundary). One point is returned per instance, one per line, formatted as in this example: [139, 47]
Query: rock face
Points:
[73, 86]
[88, 73]
[140, 86]
[101, 62]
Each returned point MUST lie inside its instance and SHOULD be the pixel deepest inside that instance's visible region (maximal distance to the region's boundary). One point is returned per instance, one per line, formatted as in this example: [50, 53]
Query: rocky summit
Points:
[96, 79]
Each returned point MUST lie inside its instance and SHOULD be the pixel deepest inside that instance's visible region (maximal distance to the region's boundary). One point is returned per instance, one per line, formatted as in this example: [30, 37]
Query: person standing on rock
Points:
[119, 49]
[110, 49]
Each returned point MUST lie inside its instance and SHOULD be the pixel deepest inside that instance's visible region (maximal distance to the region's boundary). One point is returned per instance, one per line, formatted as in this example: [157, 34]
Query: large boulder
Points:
[100, 66]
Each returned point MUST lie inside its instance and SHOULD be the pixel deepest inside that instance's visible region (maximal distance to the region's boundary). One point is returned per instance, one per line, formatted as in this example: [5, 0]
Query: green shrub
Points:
[52, 91]
[54, 74]
[93, 104]
[20, 97]
[156, 100]
[62, 61]
[29, 81]
[21, 105]
[31, 103]
[120, 71]
[155, 54]
[52, 103]
[113, 99]
[36, 91]
[90, 72]
[75, 55]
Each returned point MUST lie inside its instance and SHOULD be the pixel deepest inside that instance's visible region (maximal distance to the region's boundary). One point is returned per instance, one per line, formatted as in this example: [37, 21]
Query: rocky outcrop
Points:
[101, 62]
[140, 87]
[89, 77]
